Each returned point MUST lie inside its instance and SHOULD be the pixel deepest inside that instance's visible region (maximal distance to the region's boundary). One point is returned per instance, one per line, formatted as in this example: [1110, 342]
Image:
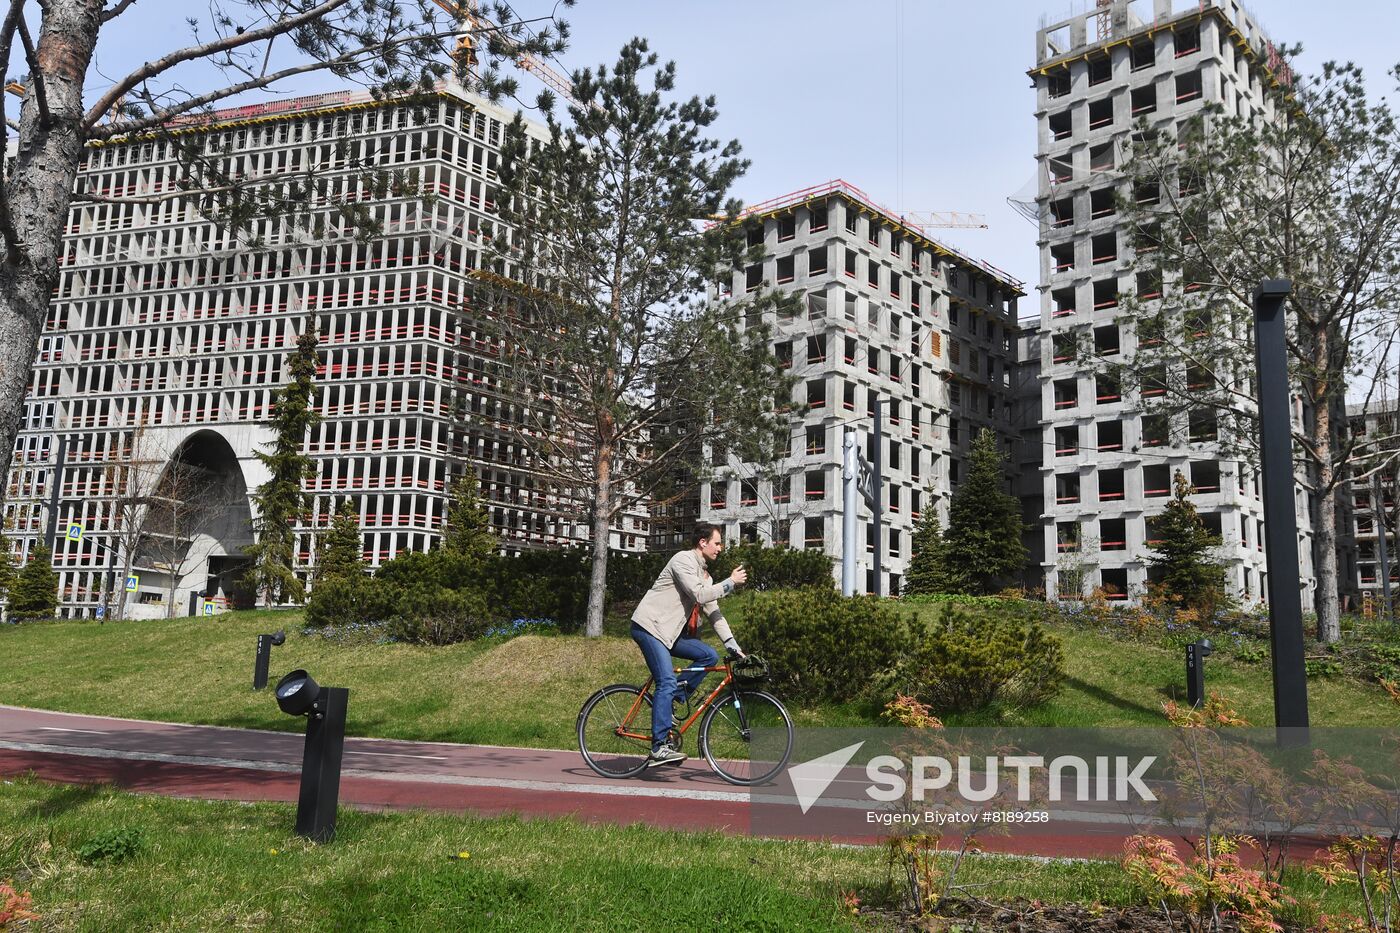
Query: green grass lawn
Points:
[527, 691]
[227, 866]
[1116, 683]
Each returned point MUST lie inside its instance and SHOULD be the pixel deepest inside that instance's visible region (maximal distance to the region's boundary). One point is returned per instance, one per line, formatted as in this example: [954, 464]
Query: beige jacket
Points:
[683, 582]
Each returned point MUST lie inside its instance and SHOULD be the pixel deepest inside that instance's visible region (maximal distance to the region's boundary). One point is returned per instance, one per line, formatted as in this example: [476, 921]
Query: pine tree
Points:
[467, 530]
[1184, 568]
[630, 372]
[928, 566]
[281, 501]
[983, 540]
[342, 551]
[34, 594]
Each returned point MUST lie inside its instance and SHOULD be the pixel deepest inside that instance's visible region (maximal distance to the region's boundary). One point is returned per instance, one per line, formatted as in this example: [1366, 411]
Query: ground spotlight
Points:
[265, 645]
[298, 694]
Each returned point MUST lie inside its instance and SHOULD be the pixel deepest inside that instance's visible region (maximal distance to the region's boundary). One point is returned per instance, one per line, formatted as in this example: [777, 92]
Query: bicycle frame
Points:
[622, 730]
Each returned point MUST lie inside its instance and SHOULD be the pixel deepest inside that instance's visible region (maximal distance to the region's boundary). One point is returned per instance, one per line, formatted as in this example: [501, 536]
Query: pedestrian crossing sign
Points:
[75, 531]
[133, 580]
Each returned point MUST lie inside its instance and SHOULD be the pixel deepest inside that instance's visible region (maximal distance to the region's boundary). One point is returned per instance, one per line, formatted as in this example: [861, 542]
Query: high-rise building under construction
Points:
[1124, 67]
[168, 337]
[889, 315]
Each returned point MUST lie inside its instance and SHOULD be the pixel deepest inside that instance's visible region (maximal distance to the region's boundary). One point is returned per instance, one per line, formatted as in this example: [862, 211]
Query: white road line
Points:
[356, 751]
[61, 729]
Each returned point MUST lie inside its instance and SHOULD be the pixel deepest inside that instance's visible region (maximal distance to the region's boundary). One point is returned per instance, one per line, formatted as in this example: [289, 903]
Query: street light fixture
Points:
[298, 694]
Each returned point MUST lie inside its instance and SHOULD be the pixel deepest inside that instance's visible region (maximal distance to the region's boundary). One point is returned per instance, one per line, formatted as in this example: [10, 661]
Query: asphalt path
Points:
[215, 762]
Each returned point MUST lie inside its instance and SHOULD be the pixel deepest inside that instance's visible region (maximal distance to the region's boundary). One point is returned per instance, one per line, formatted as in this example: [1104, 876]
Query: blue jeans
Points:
[658, 658]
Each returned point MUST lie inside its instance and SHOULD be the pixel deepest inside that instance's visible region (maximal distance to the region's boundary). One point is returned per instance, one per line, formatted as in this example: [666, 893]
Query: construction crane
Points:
[469, 16]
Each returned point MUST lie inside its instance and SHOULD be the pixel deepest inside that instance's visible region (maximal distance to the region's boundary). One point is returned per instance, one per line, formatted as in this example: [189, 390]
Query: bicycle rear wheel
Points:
[727, 737]
[613, 743]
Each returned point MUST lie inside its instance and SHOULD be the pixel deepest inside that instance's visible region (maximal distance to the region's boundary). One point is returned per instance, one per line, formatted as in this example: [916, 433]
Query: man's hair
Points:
[702, 533]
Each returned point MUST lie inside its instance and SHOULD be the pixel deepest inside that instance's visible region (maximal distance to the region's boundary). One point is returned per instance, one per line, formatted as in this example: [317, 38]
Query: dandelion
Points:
[271, 851]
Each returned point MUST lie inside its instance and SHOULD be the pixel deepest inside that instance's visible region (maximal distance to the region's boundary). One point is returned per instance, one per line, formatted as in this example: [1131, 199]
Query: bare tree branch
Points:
[113, 12]
[108, 130]
[189, 53]
[36, 73]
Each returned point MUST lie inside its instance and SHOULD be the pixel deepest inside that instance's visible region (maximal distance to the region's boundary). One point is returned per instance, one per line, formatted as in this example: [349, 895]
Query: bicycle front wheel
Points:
[614, 731]
[729, 731]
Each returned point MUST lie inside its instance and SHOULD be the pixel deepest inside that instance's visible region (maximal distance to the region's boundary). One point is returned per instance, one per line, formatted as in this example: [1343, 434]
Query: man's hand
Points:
[740, 576]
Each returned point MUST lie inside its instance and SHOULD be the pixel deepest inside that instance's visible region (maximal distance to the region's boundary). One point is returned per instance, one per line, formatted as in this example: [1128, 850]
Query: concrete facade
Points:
[888, 313]
[165, 328]
[1373, 505]
[1108, 463]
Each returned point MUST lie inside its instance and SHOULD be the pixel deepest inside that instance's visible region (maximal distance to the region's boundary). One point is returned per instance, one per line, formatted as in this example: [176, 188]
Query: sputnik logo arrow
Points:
[811, 778]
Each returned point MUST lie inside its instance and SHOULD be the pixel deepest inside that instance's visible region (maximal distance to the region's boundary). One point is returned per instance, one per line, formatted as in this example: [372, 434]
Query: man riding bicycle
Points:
[666, 623]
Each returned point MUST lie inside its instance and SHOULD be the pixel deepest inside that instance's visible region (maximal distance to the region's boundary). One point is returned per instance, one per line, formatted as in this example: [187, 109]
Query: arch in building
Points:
[197, 525]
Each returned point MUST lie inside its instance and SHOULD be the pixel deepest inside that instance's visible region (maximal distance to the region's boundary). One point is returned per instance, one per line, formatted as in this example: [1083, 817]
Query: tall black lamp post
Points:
[1280, 511]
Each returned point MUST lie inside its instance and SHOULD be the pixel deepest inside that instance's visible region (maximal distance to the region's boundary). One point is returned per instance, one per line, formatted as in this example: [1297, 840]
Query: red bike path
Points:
[214, 762]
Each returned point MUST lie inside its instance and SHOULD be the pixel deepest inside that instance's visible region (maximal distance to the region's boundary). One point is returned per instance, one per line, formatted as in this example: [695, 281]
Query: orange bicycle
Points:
[614, 726]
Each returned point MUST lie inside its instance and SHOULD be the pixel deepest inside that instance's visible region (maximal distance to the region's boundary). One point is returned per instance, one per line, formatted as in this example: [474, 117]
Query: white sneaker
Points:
[665, 755]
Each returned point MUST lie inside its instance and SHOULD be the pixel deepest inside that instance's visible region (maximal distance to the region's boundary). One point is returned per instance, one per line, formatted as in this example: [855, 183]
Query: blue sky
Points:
[924, 104]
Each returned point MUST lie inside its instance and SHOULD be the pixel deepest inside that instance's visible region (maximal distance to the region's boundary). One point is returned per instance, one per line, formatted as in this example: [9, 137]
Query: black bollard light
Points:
[324, 708]
[1196, 654]
[265, 645]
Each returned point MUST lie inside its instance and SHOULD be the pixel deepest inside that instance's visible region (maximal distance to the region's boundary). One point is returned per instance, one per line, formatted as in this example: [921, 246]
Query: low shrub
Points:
[823, 647]
[412, 595]
[967, 658]
[14, 906]
[775, 568]
[1154, 616]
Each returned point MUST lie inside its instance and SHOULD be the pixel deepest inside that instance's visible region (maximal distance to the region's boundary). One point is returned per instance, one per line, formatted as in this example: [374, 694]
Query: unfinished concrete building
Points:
[1108, 463]
[1370, 526]
[167, 340]
[889, 313]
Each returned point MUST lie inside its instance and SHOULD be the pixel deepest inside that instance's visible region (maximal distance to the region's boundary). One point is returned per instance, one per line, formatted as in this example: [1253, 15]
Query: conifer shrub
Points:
[435, 615]
[823, 647]
[969, 657]
[34, 593]
[631, 575]
[346, 600]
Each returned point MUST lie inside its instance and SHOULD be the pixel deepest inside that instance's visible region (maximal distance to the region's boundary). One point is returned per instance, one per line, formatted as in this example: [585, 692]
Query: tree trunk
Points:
[37, 194]
[602, 523]
[1328, 601]
[19, 342]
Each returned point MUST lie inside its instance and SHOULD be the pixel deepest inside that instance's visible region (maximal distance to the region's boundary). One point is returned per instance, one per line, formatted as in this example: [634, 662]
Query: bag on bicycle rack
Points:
[749, 669]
